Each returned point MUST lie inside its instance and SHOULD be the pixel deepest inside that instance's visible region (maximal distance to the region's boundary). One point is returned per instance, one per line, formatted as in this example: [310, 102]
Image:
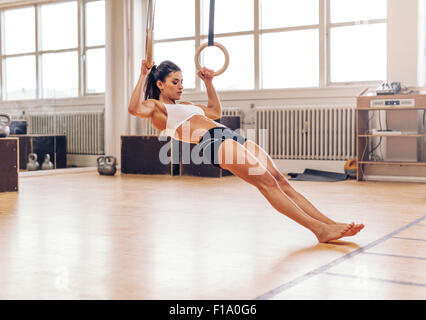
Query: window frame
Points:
[324, 26]
[85, 48]
[81, 49]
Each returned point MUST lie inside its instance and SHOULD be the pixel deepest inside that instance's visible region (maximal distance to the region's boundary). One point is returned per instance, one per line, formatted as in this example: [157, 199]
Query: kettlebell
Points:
[47, 164]
[351, 168]
[32, 164]
[101, 164]
[4, 127]
[110, 166]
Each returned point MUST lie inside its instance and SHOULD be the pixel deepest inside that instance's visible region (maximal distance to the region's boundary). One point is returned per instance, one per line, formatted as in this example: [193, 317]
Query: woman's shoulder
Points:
[155, 103]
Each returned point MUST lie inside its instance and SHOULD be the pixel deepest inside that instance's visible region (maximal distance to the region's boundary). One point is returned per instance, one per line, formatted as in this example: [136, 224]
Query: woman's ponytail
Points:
[159, 72]
[151, 89]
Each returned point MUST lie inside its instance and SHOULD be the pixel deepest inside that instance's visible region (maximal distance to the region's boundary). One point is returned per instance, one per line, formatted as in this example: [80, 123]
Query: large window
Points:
[289, 44]
[276, 44]
[54, 50]
[357, 30]
[19, 62]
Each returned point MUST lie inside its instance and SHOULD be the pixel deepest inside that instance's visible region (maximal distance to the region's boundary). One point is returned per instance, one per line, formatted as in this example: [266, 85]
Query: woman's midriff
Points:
[193, 129]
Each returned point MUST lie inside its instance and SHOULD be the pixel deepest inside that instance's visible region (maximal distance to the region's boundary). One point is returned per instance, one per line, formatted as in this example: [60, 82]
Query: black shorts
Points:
[212, 139]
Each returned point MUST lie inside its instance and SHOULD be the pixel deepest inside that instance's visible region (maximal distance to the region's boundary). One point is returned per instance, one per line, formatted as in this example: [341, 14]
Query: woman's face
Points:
[172, 86]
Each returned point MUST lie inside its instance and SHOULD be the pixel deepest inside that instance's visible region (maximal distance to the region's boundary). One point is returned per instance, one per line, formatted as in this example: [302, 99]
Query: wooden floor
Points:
[85, 236]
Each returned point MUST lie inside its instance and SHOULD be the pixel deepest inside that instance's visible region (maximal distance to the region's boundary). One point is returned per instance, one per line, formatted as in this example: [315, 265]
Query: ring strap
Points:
[150, 15]
[211, 23]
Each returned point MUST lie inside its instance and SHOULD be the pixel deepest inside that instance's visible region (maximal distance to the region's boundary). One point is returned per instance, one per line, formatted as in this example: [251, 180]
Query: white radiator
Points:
[148, 129]
[84, 130]
[231, 111]
[307, 132]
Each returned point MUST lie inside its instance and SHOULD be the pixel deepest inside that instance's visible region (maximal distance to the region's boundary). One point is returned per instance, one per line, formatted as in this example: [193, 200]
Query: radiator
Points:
[148, 128]
[84, 130]
[307, 132]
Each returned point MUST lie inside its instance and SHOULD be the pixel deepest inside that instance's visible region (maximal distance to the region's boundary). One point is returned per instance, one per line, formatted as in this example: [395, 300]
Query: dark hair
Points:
[159, 72]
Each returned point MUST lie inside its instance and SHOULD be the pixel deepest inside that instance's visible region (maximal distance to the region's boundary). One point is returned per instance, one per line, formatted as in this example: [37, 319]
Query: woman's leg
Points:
[242, 163]
[285, 186]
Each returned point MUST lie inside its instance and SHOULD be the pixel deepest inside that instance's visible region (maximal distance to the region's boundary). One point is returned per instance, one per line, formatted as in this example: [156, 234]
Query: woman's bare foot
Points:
[334, 232]
[353, 230]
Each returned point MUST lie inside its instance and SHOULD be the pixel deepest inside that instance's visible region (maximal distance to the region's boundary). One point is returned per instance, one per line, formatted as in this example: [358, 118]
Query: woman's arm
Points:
[214, 107]
[137, 106]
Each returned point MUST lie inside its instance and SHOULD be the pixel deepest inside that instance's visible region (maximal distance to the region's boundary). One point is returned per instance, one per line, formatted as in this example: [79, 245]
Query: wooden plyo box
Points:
[140, 154]
[18, 127]
[9, 153]
[54, 145]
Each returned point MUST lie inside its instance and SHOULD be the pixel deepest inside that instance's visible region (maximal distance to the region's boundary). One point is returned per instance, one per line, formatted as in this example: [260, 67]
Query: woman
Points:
[223, 147]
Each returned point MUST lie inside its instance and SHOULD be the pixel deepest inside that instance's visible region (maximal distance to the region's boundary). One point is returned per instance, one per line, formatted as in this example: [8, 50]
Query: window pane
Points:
[59, 26]
[182, 53]
[240, 72]
[60, 75]
[19, 31]
[288, 13]
[358, 53]
[95, 23]
[290, 59]
[357, 10]
[20, 76]
[229, 16]
[174, 19]
[95, 66]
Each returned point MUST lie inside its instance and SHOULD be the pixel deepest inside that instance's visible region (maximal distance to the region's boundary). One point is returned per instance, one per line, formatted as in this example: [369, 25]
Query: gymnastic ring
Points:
[148, 48]
[221, 47]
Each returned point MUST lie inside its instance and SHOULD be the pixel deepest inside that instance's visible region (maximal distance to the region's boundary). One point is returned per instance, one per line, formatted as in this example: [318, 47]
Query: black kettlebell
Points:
[109, 168]
[101, 164]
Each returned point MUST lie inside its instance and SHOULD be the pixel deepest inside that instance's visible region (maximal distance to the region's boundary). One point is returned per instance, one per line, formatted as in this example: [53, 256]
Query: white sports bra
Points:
[178, 114]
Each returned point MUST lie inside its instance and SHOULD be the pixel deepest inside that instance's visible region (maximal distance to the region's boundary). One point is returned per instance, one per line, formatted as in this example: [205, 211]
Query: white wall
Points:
[403, 41]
